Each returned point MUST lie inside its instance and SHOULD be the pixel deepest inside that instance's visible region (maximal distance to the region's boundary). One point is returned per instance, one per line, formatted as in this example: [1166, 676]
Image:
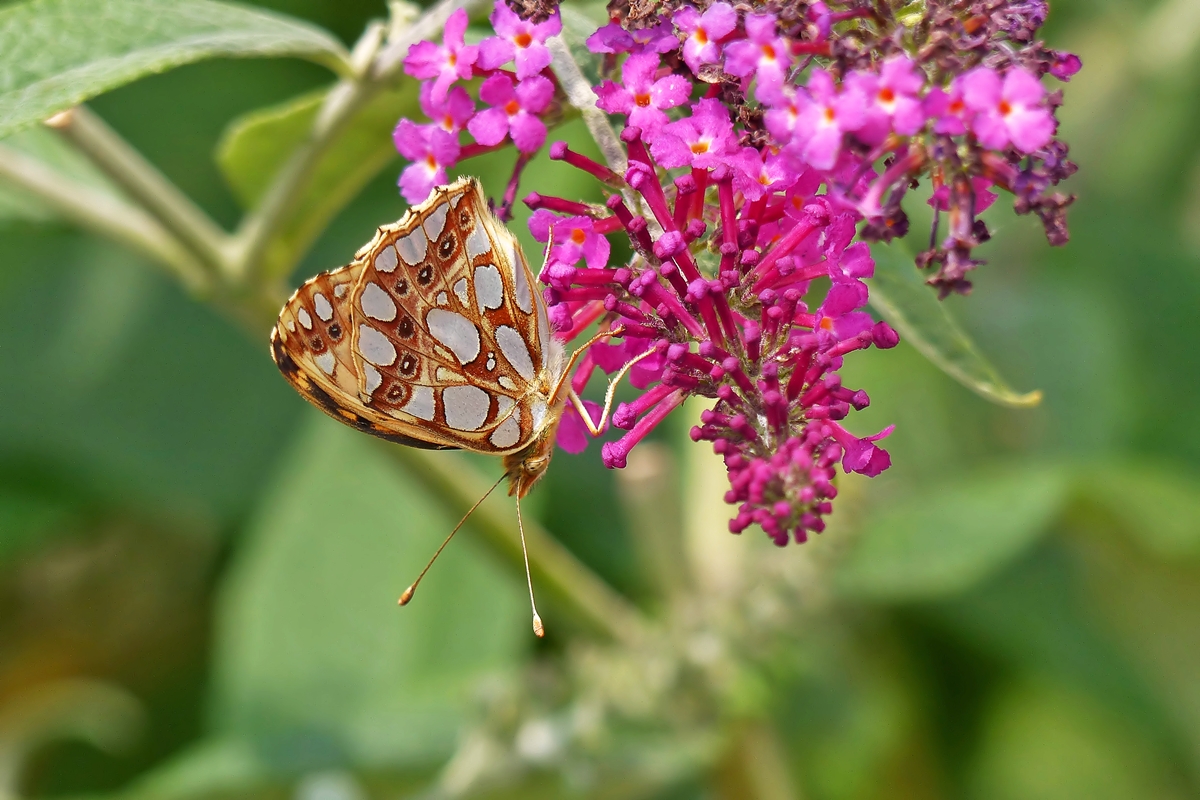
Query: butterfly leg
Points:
[593, 428]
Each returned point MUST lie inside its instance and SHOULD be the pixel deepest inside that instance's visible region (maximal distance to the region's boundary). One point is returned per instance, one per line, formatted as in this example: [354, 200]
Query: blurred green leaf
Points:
[55, 54]
[102, 714]
[1158, 506]
[950, 537]
[255, 148]
[315, 663]
[27, 517]
[900, 295]
[1049, 743]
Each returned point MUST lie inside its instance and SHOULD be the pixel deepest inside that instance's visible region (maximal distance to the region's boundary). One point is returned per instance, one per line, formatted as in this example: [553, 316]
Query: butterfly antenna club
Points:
[411, 590]
[539, 630]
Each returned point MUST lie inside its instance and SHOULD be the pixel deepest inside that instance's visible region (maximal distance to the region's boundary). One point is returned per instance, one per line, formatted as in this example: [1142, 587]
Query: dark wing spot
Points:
[405, 327]
[316, 344]
[464, 219]
[425, 275]
[395, 394]
[408, 365]
[446, 246]
[335, 331]
[401, 288]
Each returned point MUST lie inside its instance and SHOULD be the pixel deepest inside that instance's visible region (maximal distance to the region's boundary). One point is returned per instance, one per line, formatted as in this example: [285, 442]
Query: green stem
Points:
[555, 569]
[106, 215]
[142, 181]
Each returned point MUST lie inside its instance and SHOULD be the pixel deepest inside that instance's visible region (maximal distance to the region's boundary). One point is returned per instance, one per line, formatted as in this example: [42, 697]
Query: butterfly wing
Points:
[311, 345]
[442, 340]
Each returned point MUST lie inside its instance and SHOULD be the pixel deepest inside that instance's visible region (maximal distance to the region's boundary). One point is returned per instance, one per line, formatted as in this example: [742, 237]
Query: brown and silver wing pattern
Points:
[441, 337]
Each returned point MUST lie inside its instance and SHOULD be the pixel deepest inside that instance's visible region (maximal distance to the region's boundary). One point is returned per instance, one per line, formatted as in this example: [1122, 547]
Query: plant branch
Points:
[344, 100]
[106, 215]
[555, 569]
[148, 187]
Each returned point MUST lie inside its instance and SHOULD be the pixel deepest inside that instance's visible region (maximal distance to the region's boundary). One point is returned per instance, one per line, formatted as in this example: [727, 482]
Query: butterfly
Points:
[435, 336]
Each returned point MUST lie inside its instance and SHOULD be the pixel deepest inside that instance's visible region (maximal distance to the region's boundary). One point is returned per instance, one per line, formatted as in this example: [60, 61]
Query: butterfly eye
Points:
[446, 246]
[335, 331]
[425, 275]
[408, 365]
[405, 328]
[401, 288]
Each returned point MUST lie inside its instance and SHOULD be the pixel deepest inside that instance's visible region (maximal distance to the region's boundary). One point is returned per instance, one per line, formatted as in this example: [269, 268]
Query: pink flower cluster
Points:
[764, 153]
[517, 103]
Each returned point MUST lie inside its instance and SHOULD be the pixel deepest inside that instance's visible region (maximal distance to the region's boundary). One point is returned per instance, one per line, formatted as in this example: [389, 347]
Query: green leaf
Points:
[315, 662]
[1158, 506]
[255, 147]
[947, 539]
[55, 54]
[900, 295]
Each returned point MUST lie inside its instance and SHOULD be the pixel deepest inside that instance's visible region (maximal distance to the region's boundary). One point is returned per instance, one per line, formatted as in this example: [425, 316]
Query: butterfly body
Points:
[434, 336]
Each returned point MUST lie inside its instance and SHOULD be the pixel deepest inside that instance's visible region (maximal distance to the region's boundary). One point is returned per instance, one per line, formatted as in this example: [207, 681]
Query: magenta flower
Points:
[862, 455]
[704, 32]
[781, 115]
[451, 115]
[825, 115]
[518, 39]
[514, 111]
[612, 38]
[702, 140]
[892, 99]
[763, 54]
[984, 197]
[575, 238]
[1009, 111]
[642, 98]
[446, 64]
[431, 150]
[947, 109]
[573, 435]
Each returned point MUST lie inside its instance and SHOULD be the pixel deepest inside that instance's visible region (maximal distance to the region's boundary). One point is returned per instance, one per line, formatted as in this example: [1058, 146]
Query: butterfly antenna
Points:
[538, 629]
[408, 593]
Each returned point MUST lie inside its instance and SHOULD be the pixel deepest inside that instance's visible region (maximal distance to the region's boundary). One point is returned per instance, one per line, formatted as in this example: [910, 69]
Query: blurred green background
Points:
[198, 571]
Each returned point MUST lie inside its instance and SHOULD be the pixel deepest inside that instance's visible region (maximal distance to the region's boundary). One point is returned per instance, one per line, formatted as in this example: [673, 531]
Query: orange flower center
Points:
[431, 161]
[452, 59]
[886, 95]
[642, 100]
[826, 324]
[699, 148]
[578, 236]
[701, 36]
[523, 40]
[768, 51]
[957, 106]
[1005, 108]
[512, 107]
[830, 115]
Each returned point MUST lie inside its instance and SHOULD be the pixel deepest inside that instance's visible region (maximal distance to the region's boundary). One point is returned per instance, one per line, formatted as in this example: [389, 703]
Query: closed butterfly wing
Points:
[441, 338]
